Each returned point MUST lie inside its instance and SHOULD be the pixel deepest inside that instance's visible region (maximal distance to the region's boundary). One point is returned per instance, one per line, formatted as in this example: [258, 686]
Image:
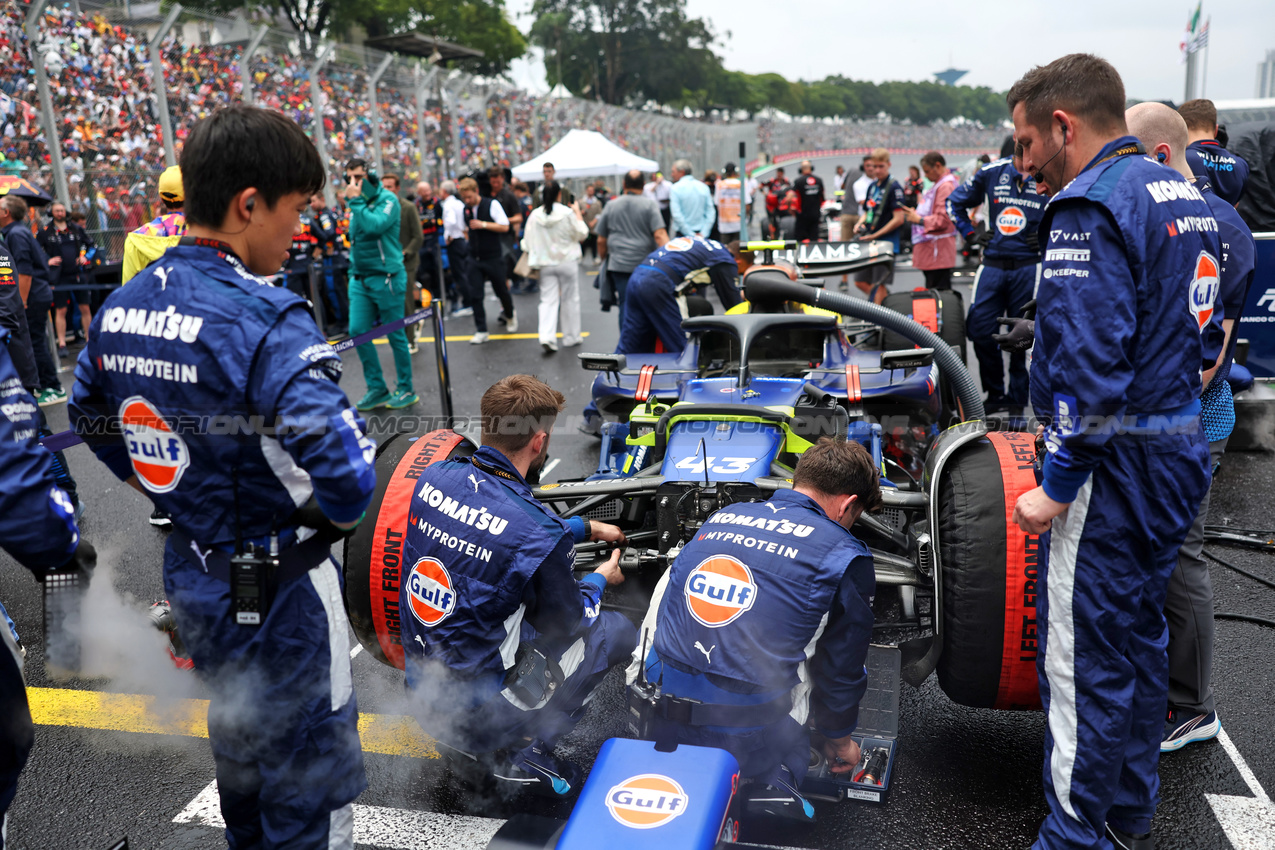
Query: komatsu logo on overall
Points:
[646, 801]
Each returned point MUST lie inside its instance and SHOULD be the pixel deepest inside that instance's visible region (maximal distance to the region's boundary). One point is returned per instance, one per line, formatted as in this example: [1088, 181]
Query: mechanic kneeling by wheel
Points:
[503, 645]
[762, 625]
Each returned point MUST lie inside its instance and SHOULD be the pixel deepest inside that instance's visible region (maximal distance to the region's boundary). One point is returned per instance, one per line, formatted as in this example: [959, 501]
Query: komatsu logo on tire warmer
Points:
[158, 455]
[646, 801]
[1011, 221]
[430, 592]
[719, 591]
[1204, 288]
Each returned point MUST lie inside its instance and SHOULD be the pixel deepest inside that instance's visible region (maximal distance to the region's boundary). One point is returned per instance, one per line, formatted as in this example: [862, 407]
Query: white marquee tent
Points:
[584, 153]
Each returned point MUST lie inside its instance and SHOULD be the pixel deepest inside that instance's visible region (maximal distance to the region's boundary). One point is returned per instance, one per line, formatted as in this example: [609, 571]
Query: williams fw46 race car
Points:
[724, 423]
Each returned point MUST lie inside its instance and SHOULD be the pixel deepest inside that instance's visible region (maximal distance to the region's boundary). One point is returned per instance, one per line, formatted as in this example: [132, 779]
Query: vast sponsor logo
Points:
[430, 594]
[646, 801]
[158, 455]
[1204, 288]
[1065, 236]
[1011, 221]
[719, 591]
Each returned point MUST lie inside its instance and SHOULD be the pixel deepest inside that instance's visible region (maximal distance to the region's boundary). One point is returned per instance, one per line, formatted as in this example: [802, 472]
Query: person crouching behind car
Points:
[503, 646]
[730, 624]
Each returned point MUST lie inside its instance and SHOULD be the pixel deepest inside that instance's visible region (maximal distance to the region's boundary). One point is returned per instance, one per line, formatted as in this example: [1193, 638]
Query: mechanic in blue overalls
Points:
[503, 646]
[37, 528]
[1007, 278]
[215, 395]
[1127, 287]
[764, 620]
[650, 299]
[1207, 156]
[1189, 606]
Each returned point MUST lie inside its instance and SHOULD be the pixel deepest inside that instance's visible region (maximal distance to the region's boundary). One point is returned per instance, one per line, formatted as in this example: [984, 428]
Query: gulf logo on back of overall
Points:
[159, 456]
[1204, 288]
[430, 593]
[1010, 221]
[719, 591]
[646, 801]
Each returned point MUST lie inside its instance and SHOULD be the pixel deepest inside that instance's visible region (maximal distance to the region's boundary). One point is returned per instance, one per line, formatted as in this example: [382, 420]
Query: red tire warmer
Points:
[373, 555]
[990, 572]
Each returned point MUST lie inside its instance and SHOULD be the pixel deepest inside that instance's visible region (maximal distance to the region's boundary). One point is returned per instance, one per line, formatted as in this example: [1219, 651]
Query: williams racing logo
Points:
[646, 801]
[1204, 288]
[158, 455]
[719, 591]
[430, 593]
[1011, 221]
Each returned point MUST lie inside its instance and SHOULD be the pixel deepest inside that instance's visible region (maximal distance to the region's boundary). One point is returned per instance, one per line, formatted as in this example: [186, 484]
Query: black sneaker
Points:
[160, 519]
[1121, 840]
[781, 799]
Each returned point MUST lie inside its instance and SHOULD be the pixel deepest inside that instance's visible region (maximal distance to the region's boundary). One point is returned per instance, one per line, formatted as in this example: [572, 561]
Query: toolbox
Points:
[877, 734]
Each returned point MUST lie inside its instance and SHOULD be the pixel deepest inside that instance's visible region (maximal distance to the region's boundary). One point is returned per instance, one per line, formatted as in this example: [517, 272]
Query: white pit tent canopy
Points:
[584, 153]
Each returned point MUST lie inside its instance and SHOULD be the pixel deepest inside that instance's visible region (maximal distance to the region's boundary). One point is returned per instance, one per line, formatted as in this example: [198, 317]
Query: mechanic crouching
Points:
[504, 647]
[761, 626]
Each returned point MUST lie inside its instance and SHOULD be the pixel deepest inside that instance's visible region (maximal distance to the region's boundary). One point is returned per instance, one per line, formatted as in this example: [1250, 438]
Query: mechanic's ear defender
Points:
[1160, 157]
[250, 203]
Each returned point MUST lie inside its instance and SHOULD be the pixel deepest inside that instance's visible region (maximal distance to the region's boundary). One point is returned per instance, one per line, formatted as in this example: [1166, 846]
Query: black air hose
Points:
[762, 289]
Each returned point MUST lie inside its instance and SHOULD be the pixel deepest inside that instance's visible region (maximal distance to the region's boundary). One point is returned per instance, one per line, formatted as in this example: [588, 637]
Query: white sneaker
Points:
[571, 341]
[511, 324]
[479, 338]
[549, 347]
[413, 348]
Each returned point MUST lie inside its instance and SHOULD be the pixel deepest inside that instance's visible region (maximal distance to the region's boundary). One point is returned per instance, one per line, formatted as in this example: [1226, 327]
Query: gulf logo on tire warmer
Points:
[429, 592]
[158, 455]
[1204, 288]
[1011, 221]
[719, 590]
[646, 801]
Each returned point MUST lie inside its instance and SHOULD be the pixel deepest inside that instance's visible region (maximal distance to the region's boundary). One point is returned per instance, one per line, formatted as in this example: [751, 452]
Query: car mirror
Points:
[603, 362]
[915, 358]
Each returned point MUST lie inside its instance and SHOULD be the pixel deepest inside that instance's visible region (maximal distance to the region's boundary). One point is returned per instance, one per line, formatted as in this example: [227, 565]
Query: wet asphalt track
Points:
[964, 779]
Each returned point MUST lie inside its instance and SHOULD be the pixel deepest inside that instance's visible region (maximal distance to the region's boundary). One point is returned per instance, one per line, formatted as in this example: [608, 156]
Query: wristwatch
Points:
[588, 529]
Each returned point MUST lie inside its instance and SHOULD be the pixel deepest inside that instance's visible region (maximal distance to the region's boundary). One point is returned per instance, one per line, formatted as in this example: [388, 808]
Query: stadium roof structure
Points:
[950, 76]
[424, 46]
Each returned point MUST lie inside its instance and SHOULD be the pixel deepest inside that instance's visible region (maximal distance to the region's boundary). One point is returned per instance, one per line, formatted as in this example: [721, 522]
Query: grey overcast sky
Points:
[996, 40]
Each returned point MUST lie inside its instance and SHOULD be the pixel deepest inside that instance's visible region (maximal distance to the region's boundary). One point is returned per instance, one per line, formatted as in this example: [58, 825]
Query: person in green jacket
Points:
[378, 283]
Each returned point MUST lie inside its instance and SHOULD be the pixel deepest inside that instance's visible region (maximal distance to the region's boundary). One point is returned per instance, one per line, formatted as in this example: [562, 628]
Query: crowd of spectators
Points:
[112, 142]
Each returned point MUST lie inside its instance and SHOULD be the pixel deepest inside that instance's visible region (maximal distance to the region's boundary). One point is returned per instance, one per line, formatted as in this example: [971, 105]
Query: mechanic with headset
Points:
[37, 528]
[1126, 291]
[1006, 280]
[651, 309]
[1189, 607]
[751, 636]
[503, 646]
[198, 340]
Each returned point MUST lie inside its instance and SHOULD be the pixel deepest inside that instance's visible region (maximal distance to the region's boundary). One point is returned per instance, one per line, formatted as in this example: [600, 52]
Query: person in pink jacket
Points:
[933, 233]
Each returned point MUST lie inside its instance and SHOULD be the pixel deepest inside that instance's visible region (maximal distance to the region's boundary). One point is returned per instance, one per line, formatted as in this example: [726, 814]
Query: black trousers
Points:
[938, 278]
[37, 325]
[481, 270]
[807, 229]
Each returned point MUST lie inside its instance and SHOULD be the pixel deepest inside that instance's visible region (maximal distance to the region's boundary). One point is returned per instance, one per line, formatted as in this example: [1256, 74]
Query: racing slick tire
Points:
[989, 571]
[373, 554]
[950, 314]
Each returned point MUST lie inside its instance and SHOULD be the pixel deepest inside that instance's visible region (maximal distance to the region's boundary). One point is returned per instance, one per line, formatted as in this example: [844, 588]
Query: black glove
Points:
[1019, 337]
[83, 560]
[981, 238]
[311, 515]
[1029, 310]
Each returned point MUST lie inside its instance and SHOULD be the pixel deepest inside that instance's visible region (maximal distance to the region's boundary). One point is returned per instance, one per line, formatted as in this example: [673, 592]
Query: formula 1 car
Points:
[725, 424]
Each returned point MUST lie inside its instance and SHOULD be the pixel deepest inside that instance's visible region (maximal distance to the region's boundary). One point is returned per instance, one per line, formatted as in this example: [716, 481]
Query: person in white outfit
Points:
[552, 244]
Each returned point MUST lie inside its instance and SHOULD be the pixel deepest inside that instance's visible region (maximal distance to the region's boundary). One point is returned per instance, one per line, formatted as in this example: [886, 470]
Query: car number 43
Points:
[727, 465]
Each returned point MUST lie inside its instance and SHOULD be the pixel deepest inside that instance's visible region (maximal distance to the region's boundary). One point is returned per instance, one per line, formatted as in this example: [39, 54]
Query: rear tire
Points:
[951, 319]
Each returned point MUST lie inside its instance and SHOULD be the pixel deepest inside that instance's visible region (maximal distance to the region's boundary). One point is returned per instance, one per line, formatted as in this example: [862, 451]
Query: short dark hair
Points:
[392, 176]
[1199, 114]
[840, 468]
[633, 180]
[356, 163]
[243, 147]
[933, 158]
[515, 408]
[1079, 83]
[496, 171]
[547, 165]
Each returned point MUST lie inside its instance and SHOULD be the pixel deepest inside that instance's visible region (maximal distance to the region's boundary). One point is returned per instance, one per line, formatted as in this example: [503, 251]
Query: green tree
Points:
[625, 51]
